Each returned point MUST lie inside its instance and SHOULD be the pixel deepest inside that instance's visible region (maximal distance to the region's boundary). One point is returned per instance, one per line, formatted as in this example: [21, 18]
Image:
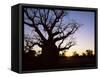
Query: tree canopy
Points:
[50, 30]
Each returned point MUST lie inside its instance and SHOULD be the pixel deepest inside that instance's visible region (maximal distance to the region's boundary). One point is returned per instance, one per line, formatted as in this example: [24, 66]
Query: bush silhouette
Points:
[75, 54]
[89, 52]
[84, 54]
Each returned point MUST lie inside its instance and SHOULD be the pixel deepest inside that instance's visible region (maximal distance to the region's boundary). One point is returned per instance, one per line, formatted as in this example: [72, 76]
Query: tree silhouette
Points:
[89, 52]
[50, 30]
[84, 54]
[75, 54]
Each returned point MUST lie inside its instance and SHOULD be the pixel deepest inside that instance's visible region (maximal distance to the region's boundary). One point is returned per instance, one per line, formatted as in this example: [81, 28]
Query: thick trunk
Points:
[50, 53]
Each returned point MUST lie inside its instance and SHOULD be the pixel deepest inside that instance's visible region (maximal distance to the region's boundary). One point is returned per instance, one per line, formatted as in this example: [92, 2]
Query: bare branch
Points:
[58, 16]
[67, 46]
[34, 26]
[28, 24]
[74, 27]
[61, 42]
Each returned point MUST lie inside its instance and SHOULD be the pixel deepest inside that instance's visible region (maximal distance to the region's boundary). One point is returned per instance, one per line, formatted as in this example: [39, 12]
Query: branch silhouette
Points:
[50, 22]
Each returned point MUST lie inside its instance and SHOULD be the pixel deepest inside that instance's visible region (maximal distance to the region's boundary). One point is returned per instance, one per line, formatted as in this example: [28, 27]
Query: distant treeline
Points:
[76, 54]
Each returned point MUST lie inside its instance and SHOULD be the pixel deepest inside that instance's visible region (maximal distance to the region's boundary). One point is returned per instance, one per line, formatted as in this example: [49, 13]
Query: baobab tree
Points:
[50, 30]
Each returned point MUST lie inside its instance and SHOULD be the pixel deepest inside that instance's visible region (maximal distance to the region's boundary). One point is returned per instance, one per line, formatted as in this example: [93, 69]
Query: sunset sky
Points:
[84, 36]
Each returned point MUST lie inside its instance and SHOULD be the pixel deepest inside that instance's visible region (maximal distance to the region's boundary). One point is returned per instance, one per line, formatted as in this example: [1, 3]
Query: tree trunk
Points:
[50, 54]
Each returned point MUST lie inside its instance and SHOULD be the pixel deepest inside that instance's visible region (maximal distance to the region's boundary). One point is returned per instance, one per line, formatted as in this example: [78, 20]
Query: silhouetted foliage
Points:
[31, 53]
[89, 52]
[84, 54]
[63, 53]
[75, 54]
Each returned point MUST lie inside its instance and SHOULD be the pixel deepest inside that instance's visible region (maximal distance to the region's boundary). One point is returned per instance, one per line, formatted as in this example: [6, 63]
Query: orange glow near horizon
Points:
[69, 52]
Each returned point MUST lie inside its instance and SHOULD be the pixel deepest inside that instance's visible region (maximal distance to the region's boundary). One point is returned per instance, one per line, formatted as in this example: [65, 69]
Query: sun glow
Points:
[68, 54]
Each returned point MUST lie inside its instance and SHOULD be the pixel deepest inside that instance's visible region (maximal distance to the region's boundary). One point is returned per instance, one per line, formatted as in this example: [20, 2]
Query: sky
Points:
[84, 36]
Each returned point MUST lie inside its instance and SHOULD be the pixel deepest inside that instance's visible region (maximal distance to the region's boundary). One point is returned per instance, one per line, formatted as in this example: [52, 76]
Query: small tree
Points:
[84, 54]
[75, 54]
[89, 52]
